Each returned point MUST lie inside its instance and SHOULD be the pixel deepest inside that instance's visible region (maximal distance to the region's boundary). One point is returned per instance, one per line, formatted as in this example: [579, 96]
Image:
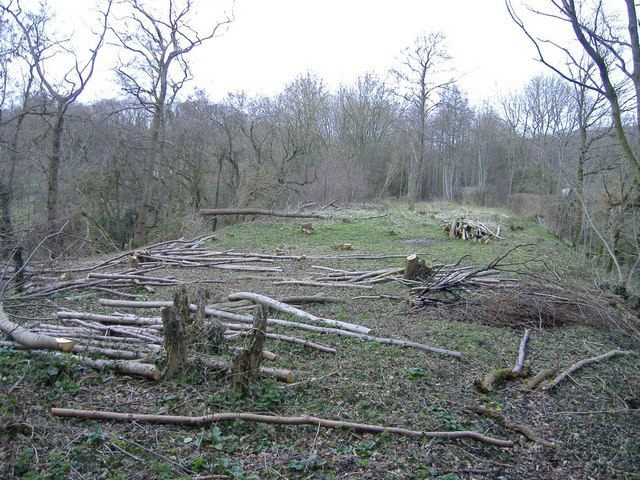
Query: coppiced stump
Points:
[174, 341]
[245, 364]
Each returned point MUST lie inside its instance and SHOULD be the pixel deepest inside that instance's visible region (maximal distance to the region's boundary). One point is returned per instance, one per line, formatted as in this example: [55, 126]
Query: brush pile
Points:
[448, 284]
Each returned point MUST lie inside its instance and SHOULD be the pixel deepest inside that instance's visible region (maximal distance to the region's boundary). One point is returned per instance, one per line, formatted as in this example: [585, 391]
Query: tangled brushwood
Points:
[448, 284]
[546, 306]
[505, 294]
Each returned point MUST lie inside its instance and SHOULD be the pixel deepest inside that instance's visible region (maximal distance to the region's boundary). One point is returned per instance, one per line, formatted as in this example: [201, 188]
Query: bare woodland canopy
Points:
[120, 170]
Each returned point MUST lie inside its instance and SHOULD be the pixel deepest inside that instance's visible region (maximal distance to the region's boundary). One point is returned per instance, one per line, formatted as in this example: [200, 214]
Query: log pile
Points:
[470, 230]
[127, 338]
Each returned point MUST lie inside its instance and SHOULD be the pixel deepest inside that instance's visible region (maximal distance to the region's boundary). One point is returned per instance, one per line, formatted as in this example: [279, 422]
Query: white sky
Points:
[273, 41]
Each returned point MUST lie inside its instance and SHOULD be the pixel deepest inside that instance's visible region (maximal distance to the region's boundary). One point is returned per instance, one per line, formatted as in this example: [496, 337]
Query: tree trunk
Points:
[415, 180]
[6, 227]
[53, 172]
[257, 211]
[155, 147]
[579, 193]
[6, 189]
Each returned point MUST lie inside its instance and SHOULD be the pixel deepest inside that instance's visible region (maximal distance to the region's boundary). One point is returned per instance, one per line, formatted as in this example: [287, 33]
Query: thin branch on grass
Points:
[274, 420]
[587, 361]
[517, 427]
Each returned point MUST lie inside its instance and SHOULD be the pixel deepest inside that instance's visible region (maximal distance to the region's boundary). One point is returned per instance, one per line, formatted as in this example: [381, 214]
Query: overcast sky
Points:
[273, 41]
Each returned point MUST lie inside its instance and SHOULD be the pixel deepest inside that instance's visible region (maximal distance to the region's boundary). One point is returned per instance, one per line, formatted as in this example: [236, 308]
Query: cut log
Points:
[286, 376]
[133, 367]
[283, 307]
[304, 299]
[522, 352]
[105, 352]
[30, 339]
[119, 319]
[300, 341]
[344, 333]
[253, 417]
[257, 211]
[311, 283]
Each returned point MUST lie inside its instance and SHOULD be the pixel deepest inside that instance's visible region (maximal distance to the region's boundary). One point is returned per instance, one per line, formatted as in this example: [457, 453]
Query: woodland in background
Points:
[90, 168]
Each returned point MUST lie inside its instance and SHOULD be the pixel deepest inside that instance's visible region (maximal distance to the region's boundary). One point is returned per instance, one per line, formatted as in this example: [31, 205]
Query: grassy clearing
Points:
[593, 417]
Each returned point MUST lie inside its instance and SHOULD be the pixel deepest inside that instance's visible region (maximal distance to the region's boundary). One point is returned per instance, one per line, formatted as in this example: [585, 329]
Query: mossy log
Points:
[487, 383]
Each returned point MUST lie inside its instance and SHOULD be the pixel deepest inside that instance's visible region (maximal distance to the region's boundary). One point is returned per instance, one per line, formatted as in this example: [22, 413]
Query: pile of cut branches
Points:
[470, 230]
[448, 283]
[546, 305]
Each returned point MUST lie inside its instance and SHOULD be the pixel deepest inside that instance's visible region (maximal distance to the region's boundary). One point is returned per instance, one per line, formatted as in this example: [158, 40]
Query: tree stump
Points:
[174, 342]
[245, 363]
[416, 268]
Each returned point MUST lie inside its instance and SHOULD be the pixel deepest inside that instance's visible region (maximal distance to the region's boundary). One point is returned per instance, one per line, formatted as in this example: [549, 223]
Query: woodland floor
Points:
[593, 417]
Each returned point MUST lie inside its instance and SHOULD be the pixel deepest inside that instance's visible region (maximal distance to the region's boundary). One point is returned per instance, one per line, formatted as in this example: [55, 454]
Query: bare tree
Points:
[422, 76]
[44, 51]
[452, 126]
[155, 70]
[362, 121]
[590, 114]
[610, 39]
[287, 137]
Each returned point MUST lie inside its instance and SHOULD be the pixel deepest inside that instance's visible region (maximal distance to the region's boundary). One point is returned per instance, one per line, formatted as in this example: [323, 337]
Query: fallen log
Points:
[340, 332]
[522, 352]
[146, 335]
[105, 352]
[286, 376]
[304, 299]
[274, 420]
[300, 341]
[486, 383]
[30, 339]
[257, 211]
[130, 367]
[133, 277]
[119, 319]
[587, 361]
[283, 307]
[108, 302]
[310, 283]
